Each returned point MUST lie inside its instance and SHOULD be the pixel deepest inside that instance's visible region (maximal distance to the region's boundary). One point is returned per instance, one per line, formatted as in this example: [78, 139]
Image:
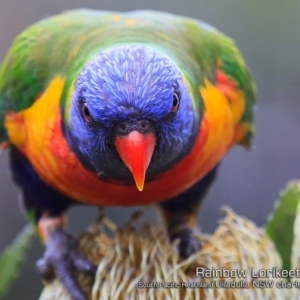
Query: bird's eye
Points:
[86, 112]
[176, 100]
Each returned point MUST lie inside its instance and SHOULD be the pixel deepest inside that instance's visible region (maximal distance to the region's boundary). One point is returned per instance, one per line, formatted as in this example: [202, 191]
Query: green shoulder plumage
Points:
[214, 48]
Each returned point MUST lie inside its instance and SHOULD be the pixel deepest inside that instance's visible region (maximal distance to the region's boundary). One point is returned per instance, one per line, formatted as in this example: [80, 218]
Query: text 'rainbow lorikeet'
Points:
[104, 108]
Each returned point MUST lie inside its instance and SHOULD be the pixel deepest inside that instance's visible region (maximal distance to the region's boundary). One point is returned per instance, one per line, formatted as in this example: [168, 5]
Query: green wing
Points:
[233, 65]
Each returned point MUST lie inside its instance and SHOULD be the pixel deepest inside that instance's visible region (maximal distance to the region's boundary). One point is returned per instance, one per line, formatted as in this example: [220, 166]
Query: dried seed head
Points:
[144, 254]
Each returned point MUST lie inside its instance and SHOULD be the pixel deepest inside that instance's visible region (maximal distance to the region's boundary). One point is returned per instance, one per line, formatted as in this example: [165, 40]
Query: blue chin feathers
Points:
[128, 85]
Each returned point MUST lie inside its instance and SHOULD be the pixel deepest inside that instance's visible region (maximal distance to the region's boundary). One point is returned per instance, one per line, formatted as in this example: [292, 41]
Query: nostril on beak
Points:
[143, 125]
[123, 129]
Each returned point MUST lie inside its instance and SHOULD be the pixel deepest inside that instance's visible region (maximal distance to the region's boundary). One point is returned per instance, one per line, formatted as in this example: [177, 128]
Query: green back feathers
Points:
[62, 44]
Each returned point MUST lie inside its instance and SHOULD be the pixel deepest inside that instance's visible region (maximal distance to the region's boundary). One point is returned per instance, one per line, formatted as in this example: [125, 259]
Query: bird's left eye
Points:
[176, 100]
[86, 112]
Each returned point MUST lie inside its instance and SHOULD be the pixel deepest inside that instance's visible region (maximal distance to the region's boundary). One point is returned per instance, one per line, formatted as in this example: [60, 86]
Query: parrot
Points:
[105, 108]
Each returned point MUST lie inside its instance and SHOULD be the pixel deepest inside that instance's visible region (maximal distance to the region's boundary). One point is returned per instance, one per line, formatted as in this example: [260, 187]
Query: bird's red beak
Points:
[136, 149]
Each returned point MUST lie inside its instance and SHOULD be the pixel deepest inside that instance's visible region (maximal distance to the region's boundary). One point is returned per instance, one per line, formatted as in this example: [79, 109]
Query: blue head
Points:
[131, 113]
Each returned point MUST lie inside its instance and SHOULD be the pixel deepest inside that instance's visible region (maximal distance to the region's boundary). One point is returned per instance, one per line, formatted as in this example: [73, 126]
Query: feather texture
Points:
[39, 75]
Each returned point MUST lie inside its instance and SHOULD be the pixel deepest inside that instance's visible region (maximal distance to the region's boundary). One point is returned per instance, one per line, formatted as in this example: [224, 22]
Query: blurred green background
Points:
[267, 32]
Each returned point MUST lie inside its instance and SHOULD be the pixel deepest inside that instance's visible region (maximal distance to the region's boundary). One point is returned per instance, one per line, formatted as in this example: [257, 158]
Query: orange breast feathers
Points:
[36, 131]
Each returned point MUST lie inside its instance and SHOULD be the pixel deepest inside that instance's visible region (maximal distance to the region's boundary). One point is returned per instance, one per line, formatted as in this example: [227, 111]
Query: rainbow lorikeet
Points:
[106, 108]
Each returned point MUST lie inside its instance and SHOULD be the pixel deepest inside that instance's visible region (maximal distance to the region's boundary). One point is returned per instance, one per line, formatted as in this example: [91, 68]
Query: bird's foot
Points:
[61, 259]
[189, 243]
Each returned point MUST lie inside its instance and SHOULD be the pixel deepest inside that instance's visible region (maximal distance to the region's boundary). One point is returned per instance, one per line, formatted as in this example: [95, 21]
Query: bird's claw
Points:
[61, 259]
[188, 241]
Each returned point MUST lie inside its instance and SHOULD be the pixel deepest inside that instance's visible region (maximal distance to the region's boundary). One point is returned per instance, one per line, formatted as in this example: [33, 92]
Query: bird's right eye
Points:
[86, 112]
